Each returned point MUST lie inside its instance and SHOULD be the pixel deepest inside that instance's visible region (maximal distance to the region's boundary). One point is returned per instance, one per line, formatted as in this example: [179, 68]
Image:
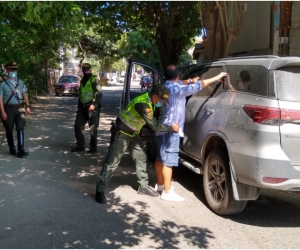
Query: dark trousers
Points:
[92, 117]
[15, 117]
[113, 157]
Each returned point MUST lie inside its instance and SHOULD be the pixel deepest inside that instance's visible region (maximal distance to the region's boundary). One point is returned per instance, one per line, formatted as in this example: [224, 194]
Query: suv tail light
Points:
[262, 114]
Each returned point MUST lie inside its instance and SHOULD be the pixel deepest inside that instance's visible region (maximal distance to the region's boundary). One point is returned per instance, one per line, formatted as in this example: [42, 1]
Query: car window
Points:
[287, 82]
[248, 78]
[205, 73]
[68, 79]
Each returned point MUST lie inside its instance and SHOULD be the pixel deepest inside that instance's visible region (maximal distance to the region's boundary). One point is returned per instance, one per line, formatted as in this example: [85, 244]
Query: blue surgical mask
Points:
[158, 105]
[12, 74]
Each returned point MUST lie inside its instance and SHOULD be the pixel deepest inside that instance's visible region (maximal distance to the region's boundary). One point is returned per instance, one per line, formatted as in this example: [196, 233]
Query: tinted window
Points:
[288, 83]
[248, 78]
[206, 73]
[68, 79]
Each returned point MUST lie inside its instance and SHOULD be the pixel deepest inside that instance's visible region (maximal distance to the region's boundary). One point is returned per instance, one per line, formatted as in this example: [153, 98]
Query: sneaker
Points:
[78, 149]
[171, 196]
[160, 188]
[148, 191]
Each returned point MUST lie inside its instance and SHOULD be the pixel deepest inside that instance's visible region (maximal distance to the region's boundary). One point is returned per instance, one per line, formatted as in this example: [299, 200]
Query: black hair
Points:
[245, 76]
[171, 72]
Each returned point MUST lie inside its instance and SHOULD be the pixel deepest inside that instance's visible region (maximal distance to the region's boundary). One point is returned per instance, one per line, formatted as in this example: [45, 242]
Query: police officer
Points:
[89, 104]
[125, 135]
[12, 94]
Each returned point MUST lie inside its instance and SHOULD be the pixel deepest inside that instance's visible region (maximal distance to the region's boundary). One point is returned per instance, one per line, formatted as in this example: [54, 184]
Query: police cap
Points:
[11, 65]
[162, 92]
[86, 67]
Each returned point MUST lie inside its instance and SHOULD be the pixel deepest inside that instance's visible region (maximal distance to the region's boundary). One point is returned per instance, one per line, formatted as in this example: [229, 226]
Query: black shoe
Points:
[22, 153]
[100, 197]
[92, 150]
[148, 191]
[78, 149]
[13, 151]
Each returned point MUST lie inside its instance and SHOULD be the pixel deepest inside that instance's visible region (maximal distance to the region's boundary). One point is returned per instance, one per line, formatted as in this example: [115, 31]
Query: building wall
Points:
[256, 32]
[295, 30]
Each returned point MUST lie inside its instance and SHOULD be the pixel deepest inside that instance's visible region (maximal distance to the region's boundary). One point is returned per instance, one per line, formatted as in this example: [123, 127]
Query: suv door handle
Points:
[209, 111]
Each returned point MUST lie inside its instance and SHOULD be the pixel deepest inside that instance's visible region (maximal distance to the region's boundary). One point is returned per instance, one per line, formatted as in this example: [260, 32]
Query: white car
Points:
[121, 78]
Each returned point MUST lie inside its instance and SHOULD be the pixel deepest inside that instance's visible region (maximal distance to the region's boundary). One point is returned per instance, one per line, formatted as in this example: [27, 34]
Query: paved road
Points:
[47, 199]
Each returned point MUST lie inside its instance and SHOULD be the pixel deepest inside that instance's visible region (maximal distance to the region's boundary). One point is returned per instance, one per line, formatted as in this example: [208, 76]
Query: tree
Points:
[171, 24]
[134, 45]
[223, 22]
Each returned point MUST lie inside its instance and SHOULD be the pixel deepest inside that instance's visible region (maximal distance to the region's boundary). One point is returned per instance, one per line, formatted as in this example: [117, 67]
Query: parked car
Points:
[67, 84]
[243, 134]
[121, 78]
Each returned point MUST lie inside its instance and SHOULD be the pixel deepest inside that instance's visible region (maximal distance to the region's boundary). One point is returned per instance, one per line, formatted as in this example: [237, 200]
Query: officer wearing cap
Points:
[125, 136]
[89, 104]
[13, 93]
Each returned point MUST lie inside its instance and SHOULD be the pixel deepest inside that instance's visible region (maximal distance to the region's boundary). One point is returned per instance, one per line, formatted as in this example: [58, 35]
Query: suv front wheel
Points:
[218, 186]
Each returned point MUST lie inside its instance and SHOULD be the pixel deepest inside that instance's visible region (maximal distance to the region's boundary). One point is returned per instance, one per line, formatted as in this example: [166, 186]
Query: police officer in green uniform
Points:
[89, 104]
[13, 93]
[125, 135]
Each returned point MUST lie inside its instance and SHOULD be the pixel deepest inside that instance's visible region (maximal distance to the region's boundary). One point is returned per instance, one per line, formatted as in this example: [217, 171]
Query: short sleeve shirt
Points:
[6, 88]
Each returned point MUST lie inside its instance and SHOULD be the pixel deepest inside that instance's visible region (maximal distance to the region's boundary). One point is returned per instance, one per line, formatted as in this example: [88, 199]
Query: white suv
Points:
[242, 134]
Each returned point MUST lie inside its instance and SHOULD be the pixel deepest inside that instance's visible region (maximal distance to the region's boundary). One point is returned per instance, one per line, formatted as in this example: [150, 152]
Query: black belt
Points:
[11, 106]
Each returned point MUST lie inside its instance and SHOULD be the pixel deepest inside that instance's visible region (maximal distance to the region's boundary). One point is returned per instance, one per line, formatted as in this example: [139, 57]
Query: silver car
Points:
[242, 134]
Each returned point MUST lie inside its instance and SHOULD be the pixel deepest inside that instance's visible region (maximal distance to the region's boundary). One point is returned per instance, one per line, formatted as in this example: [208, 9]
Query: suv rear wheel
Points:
[218, 186]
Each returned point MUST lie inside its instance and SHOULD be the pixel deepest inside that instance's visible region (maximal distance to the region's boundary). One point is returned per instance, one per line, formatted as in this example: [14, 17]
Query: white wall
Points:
[255, 36]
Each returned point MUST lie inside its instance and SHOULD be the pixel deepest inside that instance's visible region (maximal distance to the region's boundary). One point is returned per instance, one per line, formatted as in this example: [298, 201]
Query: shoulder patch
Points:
[148, 110]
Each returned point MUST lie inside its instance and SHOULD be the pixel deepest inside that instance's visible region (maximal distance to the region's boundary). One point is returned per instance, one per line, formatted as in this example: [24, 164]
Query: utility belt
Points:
[13, 106]
[117, 128]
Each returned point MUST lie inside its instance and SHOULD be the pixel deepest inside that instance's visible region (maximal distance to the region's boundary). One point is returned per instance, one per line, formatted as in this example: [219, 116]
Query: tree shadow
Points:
[48, 197]
[273, 208]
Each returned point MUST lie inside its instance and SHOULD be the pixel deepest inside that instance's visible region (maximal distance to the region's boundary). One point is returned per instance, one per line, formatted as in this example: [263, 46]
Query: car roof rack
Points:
[244, 57]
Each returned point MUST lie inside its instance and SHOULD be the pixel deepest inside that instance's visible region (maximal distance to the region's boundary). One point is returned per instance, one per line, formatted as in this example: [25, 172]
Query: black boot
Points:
[21, 151]
[10, 142]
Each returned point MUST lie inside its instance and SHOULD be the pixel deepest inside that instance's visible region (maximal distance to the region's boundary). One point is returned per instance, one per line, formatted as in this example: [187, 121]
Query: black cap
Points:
[86, 66]
[162, 92]
[11, 65]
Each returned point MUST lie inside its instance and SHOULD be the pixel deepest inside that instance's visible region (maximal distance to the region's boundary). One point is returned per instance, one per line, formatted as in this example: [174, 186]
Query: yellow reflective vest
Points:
[131, 117]
[87, 92]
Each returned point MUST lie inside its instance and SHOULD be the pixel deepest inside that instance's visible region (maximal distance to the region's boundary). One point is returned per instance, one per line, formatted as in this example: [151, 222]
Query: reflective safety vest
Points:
[131, 117]
[87, 92]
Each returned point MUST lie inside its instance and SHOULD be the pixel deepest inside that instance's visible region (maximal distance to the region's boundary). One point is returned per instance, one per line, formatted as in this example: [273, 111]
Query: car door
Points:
[201, 109]
[132, 88]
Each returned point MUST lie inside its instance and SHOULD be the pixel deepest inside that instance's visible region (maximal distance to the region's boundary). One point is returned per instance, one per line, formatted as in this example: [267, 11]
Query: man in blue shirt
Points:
[168, 143]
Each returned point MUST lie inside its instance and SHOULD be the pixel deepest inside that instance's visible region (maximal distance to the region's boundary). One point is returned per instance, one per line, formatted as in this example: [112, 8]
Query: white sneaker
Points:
[160, 188]
[171, 196]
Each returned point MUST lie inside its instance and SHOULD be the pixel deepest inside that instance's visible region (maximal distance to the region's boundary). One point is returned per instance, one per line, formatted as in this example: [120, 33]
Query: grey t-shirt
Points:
[17, 85]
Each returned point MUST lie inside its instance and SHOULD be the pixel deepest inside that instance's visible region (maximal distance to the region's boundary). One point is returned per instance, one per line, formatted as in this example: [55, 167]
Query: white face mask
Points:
[12, 74]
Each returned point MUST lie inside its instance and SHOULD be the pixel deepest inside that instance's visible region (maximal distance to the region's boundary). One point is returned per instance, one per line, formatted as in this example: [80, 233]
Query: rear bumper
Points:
[253, 166]
[66, 91]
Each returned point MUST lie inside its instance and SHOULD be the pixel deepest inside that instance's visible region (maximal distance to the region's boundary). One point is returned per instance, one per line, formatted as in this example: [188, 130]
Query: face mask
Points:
[158, 105]
[12, 74]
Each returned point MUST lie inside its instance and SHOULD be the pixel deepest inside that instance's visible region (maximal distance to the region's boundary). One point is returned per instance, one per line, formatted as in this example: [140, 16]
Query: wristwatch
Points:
[28, 106]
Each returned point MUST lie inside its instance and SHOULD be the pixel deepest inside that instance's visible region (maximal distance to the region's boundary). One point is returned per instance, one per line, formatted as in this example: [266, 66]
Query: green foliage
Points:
[133, 45]
[32, 32]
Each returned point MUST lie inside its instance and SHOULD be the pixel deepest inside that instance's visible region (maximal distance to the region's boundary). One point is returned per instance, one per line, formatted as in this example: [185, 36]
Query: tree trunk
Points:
[219, 35]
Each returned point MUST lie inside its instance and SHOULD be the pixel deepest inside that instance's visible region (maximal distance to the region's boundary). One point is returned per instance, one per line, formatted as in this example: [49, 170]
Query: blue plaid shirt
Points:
[175, 111]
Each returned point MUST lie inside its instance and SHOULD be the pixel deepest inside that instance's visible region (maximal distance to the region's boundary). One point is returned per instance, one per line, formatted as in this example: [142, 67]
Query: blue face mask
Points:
[12, 74]
[158, 105]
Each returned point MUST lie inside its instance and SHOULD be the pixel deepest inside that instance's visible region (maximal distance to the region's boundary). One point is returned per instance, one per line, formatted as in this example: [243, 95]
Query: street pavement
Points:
[47, 198]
